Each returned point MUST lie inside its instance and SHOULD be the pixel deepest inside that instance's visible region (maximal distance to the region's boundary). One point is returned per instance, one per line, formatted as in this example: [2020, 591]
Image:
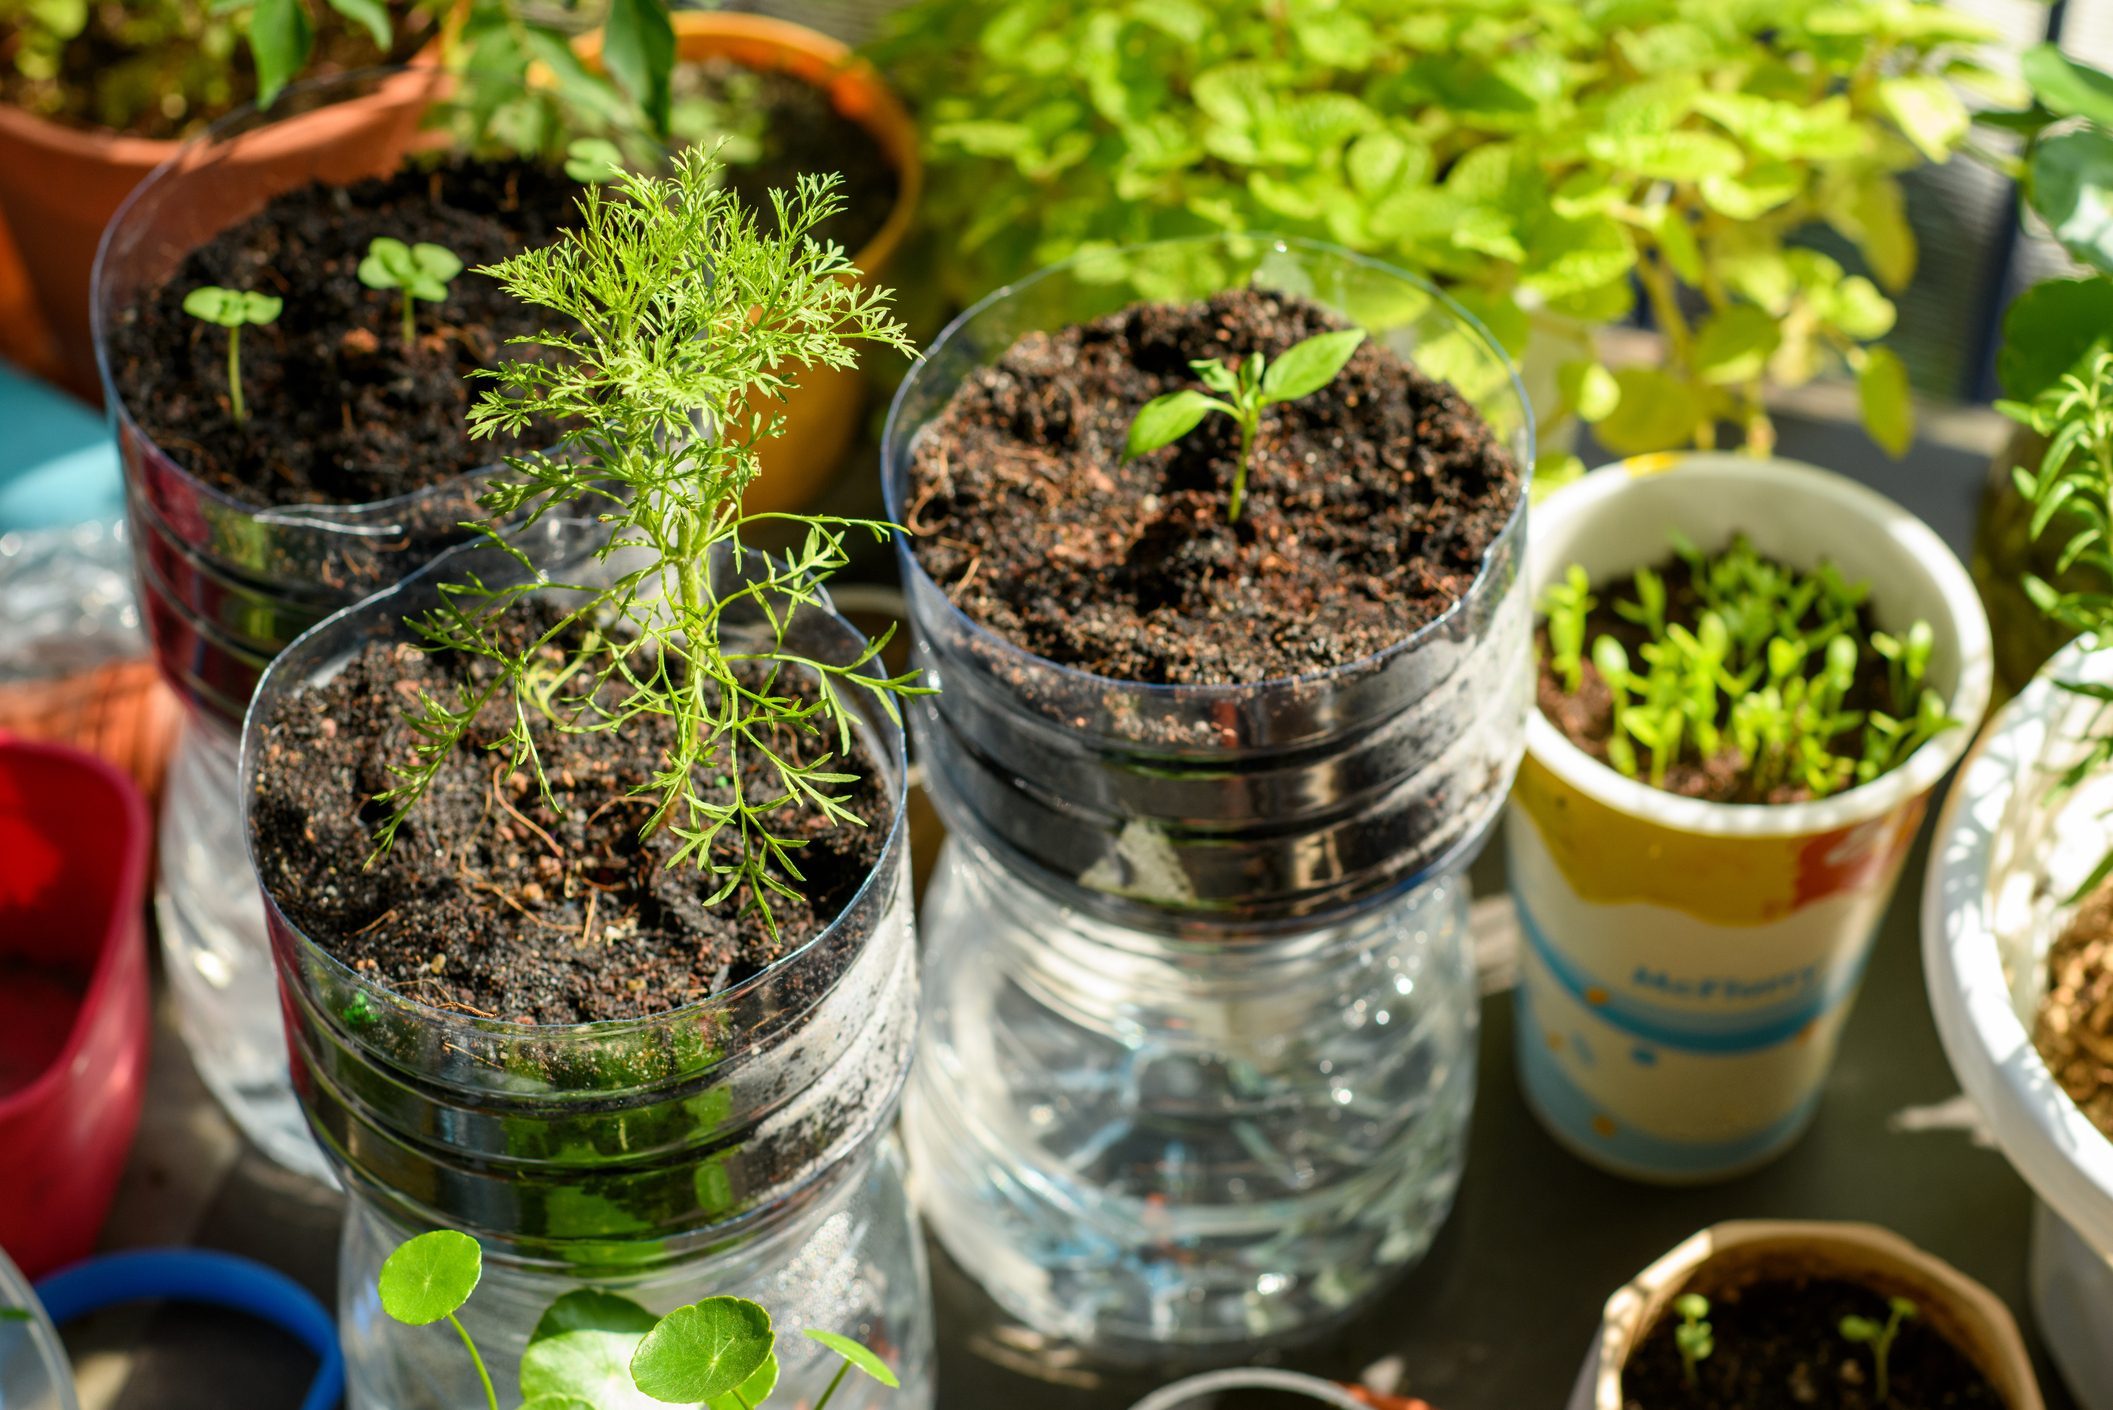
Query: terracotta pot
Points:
[59, 186]
[822, 412]
[1726, 1255]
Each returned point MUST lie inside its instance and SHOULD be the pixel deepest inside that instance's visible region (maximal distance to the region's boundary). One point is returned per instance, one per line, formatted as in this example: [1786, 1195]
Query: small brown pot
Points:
[59, 186]
[1967, 1314]
[822, 412]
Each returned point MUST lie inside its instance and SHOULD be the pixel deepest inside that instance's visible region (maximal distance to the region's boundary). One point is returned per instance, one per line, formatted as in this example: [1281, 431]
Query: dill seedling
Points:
[674, 311]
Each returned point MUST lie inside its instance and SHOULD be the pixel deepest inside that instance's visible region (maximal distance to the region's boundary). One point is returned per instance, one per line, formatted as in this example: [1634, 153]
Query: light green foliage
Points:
[1879, 1337]
[2066, 169]
[1544, 158]
[1247, 387]
[420, 272]
[160, 67]
[2071, 492]
[594, 1350]
[232, 309]
[520, 85]
[1567, 604]
[675, 318]
[1693, 1338]
[1767, 669]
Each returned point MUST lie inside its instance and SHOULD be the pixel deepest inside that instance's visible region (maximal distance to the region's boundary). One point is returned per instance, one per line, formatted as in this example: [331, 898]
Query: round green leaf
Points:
[2069, 182]
[703, 1351]
[751, 1392]
[387, 263]
[215, 305]
[261, 308]
[2048, 330]
[1306, 367]
[594, 1366]
[1165, 420]
[436, 262]
[1928, 110]
[1735, 344]
[858, 1356]
[2064, 86]
[1657, 411]
[589, 1310]
[430, 1276]
[1888, 405]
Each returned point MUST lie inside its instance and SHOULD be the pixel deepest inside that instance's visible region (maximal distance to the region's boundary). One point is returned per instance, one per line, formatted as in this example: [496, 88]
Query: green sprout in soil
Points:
[675, 314]
[232, 309]
[420, 271]
[1692, 1338]
[1768, 669]
[1253, 384]
[1864, 1331]
[2071, 492]
[595, 1348]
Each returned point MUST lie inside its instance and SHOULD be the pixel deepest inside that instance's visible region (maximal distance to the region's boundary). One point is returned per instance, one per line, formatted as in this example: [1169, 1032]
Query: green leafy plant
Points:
[595, 1350]
[1693, 1338]
[1248, 386]
[674, 312]
[234, 310]
[520, 84]
[1544, 160]
[159, 68]
[1864, 1331]
[1766, 665]
[420, 271]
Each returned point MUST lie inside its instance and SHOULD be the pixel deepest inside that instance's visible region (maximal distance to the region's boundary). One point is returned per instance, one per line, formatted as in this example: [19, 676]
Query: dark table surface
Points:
[1498, 1317]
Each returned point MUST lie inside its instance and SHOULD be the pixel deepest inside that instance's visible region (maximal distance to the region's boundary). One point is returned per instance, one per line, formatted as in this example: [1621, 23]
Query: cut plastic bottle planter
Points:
[1200, 1036]
[737, 1145]
[225, 585]
[1687, 966]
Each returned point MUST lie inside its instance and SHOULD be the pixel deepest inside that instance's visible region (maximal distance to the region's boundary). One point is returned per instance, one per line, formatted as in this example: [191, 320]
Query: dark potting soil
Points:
[340, 411]
[490, 903]
[1779, 1347]
[2074, 1029]
[1586, 716]
[795, 131]
[125, 72]
[1370, 504]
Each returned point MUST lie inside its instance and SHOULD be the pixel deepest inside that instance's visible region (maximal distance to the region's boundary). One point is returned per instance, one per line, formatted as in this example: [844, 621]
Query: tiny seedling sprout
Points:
[1769, 667]
[1866, 1331]
[1692, 1337]
[720, 1352]
[1249, 386]
[420, 272]
[232, 309]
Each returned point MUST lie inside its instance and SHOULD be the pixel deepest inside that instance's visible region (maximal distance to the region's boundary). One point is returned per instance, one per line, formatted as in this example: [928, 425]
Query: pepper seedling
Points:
[420, 271]
[597, 1349]
[1249, 386]
[232, 309]
[1693, 1337]
[1867, 1332]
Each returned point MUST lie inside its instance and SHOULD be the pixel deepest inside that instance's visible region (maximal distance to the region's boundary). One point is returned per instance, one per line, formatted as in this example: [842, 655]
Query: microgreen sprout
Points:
[595, 1348]
[1692, 1338]
[1249, 385]
[1767, 663]
[1865, 1331]
[232, 309]
[676, 314]
[420, 271]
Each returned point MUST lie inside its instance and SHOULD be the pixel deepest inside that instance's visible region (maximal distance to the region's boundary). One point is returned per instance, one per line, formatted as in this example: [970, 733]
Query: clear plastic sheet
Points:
[66, 601]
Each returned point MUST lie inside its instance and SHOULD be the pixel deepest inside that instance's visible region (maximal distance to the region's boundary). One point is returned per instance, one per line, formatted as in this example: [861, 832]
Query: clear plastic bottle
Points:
[736, 1144]
[217, 954]
[1198, 1052]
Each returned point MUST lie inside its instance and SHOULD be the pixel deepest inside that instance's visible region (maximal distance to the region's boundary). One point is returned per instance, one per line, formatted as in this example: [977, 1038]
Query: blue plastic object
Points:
[215, 1279]
[58, 464]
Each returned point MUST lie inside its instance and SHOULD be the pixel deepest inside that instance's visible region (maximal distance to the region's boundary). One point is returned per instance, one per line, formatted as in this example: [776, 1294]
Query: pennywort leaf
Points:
[858, 1355]
[429, 1277]
[703, 1351]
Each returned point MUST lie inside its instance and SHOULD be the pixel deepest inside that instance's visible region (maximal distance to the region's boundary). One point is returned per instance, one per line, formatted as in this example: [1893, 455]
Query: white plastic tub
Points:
[2008, 855]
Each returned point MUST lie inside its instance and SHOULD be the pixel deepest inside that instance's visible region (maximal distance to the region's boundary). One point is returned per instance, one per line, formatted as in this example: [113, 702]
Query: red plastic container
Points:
[73, 996]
